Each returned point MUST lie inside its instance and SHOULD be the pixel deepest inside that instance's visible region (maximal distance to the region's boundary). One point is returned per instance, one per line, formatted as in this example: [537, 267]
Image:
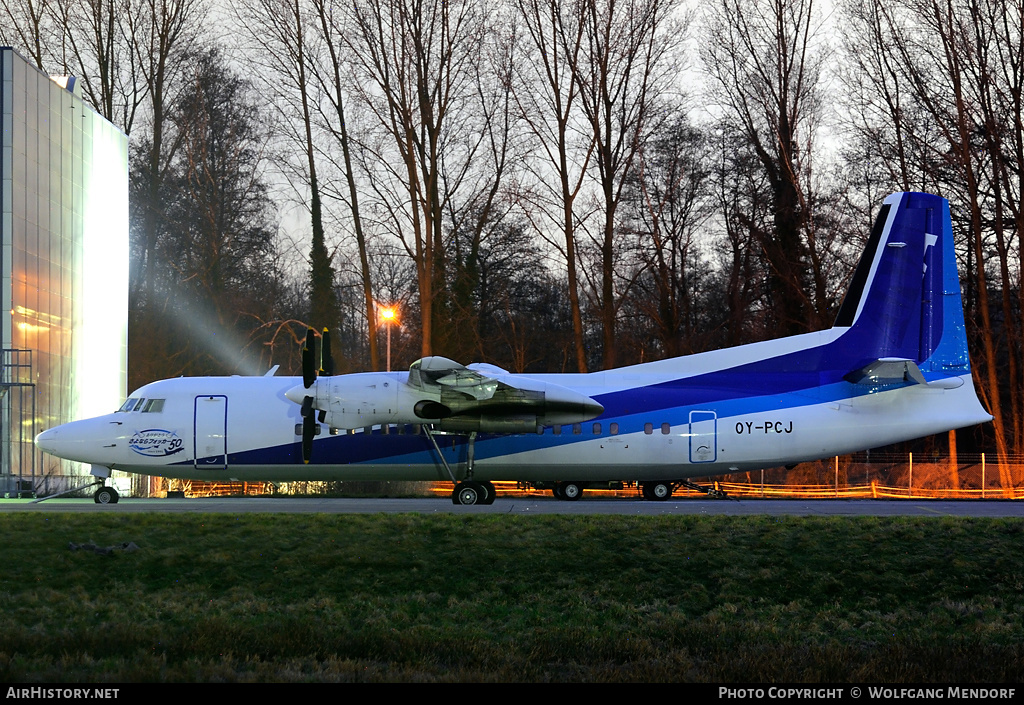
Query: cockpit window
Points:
[153, 406]
[132, 404]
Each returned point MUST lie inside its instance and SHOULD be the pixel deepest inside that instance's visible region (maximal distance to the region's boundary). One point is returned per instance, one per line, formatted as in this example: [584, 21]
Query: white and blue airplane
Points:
[894, 367]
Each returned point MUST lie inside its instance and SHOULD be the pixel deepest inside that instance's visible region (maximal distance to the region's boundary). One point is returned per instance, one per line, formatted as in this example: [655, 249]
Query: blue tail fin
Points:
[904, 299]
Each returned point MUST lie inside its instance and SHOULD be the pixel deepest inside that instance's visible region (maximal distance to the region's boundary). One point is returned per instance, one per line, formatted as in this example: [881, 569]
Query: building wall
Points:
[64, 257]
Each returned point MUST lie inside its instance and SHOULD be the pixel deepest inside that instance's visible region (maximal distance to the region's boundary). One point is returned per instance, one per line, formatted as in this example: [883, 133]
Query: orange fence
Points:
[874, 490]
[874, 475]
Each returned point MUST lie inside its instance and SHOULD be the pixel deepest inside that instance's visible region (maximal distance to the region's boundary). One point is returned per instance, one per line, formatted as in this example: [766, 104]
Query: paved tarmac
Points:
[531, 505]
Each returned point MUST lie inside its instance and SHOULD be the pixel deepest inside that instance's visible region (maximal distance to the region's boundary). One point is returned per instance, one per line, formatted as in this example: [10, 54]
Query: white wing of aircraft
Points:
[893, 367]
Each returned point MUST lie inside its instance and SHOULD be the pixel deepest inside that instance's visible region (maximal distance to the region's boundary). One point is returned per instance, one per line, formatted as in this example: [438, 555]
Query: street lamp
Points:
[389, 315]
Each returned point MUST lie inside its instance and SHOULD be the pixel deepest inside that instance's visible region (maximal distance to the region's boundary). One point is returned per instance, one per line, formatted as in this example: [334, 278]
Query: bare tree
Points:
[547, 94]
[667, 201]
[416, 65]
[282, 31]
[96, 46]
[28, 25]
[327, 67]
[162, 33]
[762, 60]
[623, 69]
[741, 202]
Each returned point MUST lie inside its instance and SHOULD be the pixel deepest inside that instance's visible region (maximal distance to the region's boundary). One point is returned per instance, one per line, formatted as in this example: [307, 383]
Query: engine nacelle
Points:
[368, 399]
[514, 405]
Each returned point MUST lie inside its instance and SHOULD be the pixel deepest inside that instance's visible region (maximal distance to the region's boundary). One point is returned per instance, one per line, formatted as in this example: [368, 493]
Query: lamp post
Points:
[388, 314]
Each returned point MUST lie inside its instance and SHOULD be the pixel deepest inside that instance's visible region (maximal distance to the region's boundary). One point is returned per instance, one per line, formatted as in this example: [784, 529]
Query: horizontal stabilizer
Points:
[887, 370]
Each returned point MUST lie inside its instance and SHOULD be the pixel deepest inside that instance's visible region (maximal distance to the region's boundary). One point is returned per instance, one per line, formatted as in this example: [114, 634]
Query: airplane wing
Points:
[485, 392]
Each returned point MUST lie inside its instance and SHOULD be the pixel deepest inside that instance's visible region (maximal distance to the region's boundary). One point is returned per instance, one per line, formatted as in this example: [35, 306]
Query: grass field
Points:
[511, 598]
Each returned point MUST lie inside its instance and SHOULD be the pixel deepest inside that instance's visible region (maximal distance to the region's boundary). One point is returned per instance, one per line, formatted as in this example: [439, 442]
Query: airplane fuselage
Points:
[697, 416]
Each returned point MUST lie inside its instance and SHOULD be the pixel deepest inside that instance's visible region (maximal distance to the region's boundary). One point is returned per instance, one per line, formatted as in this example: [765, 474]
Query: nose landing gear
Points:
[105, 495]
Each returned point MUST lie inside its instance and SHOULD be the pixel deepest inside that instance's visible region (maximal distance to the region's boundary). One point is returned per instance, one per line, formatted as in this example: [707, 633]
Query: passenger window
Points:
[597, 429]
[577, 429]
[648, 428]
[666, 429]
[557, 430]
[613, 428]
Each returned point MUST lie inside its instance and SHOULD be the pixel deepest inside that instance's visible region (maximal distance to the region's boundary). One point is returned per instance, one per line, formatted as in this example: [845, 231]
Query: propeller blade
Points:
[308, 428]
[308, 366]
[308, 431]
[326, 360]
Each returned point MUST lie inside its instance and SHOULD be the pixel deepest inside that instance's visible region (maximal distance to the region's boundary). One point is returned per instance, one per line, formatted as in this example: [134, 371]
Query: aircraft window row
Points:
[417, 429]
[146, 406]
[596, 429]
[385, 429]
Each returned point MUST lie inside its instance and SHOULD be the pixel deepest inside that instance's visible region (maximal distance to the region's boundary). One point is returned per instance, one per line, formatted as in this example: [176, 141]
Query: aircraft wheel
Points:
[558, 491]
[489, 493]
[656, 491]
[571, 491]
[468, 493]
[105, 495]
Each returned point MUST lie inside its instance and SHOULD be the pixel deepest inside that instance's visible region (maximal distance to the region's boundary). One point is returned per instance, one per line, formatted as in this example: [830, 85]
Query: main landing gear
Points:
[656, 491]
[472, 492]
[569, 491]
[468, 491]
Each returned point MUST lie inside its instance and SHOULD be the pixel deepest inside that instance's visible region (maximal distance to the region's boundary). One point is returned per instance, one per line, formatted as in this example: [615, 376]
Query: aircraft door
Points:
[211, 432]
[703, 436]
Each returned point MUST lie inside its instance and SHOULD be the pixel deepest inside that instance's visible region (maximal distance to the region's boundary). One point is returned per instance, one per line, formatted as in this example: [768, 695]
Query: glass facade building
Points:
[64, 263]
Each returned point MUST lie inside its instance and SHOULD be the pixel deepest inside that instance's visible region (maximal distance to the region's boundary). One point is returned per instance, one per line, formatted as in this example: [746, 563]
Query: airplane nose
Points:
[58, 441]
[47, 440]
[86, 441]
